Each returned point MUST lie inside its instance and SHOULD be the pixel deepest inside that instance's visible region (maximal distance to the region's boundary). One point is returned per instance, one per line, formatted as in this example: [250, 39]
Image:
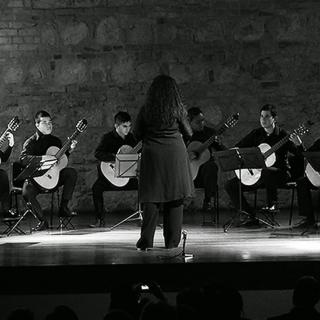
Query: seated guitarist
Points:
[37, 145]
[106, 151]
[4, 180]
[208, 172]
[271, 177]
[305, 203]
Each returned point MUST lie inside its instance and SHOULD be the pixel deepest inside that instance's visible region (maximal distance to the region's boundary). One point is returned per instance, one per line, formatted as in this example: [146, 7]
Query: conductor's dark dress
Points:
[165, 177]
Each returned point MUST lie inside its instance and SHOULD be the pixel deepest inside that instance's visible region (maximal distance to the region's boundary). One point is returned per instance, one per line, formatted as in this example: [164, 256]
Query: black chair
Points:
[290, 186]
[14, 221]
[296, 164]
[66, 223]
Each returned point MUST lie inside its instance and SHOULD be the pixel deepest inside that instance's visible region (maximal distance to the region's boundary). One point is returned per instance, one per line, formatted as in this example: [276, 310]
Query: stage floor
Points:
[93, 260]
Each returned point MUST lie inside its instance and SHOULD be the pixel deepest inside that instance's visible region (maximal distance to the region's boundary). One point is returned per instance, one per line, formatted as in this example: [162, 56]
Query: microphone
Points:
[184, 234]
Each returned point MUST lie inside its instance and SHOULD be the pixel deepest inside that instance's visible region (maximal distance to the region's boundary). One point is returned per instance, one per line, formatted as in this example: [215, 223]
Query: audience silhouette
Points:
[62, 312]
[147, 301]
[21, 314]
[117, 314]
[225, 301]
[306, 295]
[159, 310]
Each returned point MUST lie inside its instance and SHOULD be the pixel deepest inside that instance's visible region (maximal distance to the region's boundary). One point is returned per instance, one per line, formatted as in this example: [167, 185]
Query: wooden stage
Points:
[93, 260]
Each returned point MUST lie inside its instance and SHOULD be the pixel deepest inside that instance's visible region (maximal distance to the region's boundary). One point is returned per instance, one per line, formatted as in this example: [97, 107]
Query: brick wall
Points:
[91, 58]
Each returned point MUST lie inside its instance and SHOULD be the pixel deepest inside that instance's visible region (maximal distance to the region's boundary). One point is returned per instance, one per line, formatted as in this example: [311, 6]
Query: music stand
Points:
[126, 166]
[35, 168]
[238, 159]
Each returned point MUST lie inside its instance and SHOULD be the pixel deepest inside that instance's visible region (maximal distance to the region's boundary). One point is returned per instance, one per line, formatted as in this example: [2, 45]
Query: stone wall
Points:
[91, 58]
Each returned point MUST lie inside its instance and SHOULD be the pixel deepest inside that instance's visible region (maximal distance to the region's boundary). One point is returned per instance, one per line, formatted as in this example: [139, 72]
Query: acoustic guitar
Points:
[201, 149]
[108, 168]
[312, 171]
[50, 178]
[251, 176]
[12, 126]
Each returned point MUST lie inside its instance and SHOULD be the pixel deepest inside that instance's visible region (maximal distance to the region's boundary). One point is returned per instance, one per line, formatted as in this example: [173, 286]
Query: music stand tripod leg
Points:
[130, 218]
[239, 211]
[127, 172]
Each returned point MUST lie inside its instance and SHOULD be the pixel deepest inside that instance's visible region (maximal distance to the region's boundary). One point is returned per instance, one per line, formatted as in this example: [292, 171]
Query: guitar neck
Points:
[208, 142]
[275, 147]
[137, 147]
[67, 144]
[3, 137]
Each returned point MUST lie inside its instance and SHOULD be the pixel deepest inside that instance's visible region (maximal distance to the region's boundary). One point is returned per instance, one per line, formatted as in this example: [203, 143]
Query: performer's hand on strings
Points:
[48, 157]
[73, 145]
[295, 139]
[10, 138]
[47, 161]
[217, 139]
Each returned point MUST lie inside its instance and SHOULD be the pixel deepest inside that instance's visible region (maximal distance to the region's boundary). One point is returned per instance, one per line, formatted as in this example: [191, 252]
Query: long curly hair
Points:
[163, 104]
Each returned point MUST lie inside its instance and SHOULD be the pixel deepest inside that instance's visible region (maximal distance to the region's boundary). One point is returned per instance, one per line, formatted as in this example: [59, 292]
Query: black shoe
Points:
[305, 224]
[42, 225]
[13, 212]
[65, 212]
[99, 223]
[270, 213]
[142, 245]
[143, 249]
[171, 246]
[270, 210]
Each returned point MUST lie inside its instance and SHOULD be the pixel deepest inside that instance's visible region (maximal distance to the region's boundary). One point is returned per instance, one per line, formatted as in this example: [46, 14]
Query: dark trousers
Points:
[207, 178]
[4, 191]
[305, 205]
[172, 223]
[271, 178]
[30, 190]
[100, 186]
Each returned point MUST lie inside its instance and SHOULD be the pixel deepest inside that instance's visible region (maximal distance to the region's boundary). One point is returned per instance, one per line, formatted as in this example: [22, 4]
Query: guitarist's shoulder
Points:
[55, 141]
[255, 131]
[132, 138]
[109, 135]
[31, 138]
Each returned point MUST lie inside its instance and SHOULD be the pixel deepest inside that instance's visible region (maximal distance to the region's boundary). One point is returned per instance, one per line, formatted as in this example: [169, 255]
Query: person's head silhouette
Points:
[306, 292]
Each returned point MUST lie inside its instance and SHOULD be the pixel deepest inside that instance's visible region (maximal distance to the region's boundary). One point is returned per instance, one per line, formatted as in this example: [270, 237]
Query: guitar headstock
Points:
[302, 129]
[82, 125]
[232, 120]
[14, 124]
